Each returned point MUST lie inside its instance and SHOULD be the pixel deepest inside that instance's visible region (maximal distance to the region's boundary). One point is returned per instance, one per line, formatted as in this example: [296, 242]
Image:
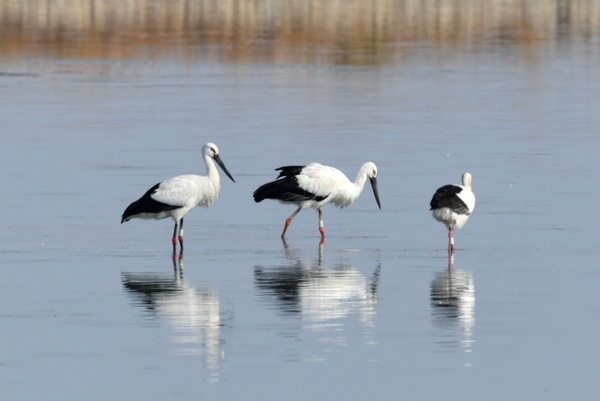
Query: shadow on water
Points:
[193, 314]
[319, 295]
[453, 307]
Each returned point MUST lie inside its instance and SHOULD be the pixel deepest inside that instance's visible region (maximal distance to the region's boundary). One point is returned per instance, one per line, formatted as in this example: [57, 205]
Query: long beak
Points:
[222, 165]
[375, 192]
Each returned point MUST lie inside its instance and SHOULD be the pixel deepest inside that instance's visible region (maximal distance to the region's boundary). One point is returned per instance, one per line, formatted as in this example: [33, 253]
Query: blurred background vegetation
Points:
[342, 32]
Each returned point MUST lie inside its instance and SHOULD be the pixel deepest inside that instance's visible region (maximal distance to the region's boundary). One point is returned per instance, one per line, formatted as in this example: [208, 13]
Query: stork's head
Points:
[466, 180]
[372, 175]
[371, 169]
[212, 151]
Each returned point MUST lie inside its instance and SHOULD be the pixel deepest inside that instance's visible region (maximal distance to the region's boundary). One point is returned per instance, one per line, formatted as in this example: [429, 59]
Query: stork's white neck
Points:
[358, 185]
[361, 178]
[211, 169]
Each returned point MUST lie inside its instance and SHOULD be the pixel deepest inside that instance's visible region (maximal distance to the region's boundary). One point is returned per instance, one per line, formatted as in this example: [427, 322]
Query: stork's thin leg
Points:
[288, 221]
[181, 234]
[451, 240]
[321, 228]
[174, 239]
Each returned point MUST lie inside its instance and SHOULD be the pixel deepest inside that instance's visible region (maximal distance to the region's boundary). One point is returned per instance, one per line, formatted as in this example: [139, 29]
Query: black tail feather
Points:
[447, 196]
[289, 171]
[269, 190]
[146, 205]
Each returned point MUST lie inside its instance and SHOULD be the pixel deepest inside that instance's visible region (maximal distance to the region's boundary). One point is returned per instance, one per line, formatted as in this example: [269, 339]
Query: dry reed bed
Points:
[330, 31]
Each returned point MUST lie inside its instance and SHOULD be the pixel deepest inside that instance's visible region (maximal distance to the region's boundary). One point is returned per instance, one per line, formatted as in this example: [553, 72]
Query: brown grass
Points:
[292, 31]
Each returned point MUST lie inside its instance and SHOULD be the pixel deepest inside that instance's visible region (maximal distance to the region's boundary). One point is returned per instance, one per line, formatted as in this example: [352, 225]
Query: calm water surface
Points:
[95, 310]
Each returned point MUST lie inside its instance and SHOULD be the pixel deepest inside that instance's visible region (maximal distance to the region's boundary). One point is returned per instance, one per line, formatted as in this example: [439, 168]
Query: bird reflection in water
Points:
[453, 306]
[321, 296]
[193, 314]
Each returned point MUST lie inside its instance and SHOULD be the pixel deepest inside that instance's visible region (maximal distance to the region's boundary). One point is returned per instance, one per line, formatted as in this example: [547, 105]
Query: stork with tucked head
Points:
[178, 195]
[452, 205]
[315, 185]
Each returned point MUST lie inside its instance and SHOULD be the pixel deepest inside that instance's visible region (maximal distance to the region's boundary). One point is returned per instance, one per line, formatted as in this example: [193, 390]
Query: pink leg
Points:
[174, 240]
[181, 234]
[177, 237]
[451, 240]
[288, 221]
[321, 228]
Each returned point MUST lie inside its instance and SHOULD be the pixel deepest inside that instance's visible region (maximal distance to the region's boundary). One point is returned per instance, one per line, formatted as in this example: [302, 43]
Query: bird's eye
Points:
[214, 151]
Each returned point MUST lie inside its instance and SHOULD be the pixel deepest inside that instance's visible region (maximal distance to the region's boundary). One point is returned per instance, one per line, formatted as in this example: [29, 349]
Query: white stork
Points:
[178, 195]
[315, 185]
[452, 205]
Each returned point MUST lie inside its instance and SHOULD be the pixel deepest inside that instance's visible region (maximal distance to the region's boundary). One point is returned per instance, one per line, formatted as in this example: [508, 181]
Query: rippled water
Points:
[96, 310]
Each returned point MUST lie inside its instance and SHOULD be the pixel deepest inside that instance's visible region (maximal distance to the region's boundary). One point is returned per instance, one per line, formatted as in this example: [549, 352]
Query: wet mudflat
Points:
[96, 310]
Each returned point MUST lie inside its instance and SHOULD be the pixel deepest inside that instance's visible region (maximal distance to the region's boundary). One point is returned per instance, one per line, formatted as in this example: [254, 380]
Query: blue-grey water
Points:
[94, 310]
